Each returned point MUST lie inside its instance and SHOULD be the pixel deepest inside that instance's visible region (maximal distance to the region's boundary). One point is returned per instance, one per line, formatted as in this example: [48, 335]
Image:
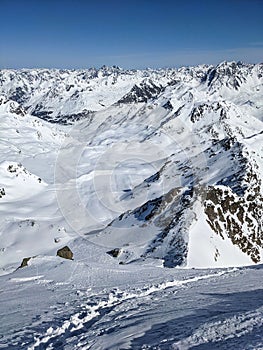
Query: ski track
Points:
[76, 321]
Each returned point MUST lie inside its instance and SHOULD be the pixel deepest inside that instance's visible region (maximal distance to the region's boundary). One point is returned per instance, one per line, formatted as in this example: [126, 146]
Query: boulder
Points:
[65, 253]
[114, 252]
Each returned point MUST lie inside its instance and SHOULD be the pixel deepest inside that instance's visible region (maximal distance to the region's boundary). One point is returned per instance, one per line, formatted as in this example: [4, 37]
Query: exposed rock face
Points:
[114, 252]
[199, 111]
[174, 222]
[68, 119]
[238, 217]
[168, 106]
[11, 106]
[2, 192]
[24, 262]
[65, 253]
[232, 74]
[142, 93]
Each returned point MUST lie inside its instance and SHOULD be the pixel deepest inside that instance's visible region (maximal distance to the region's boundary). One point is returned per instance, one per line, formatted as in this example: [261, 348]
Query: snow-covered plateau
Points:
[131, 205]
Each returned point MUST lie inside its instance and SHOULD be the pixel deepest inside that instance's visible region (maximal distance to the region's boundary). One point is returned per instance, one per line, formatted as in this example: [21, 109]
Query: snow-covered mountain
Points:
[128, 172]
[155, 165]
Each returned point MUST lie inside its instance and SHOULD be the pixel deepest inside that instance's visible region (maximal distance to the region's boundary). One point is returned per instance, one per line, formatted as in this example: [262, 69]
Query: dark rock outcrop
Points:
[114, 252]
[24, 262]
[65, 253]
[2, 192]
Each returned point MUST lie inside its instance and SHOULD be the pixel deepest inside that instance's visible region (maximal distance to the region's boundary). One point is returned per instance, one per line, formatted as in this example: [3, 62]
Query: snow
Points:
[207, 249]
[134, 177]
[131, 309]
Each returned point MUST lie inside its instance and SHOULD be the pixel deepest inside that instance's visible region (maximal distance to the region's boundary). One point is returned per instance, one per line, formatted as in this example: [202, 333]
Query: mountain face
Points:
[156, 166]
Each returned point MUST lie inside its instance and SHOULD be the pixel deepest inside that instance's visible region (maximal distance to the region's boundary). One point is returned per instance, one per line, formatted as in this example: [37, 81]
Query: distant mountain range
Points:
[155, 166]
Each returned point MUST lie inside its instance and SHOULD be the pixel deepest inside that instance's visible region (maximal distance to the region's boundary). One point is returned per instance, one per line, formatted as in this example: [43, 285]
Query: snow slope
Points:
[90, 304]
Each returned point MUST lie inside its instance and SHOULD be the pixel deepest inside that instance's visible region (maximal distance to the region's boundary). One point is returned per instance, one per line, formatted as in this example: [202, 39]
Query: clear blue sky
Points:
[129, 33]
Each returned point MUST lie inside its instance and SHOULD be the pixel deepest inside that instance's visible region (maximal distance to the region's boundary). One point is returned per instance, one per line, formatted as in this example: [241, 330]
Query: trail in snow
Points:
[89, 312]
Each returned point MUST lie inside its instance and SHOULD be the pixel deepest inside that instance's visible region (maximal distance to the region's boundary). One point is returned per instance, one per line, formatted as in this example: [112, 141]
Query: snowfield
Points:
[56, 304]
[153, 181]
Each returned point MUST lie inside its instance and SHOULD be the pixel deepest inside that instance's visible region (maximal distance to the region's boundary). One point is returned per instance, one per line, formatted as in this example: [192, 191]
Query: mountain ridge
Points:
[145, 162]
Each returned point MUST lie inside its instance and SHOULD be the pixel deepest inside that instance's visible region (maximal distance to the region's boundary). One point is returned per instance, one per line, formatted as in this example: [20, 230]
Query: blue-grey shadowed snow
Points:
[251, 341]
[207, 305]
[211, 307]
